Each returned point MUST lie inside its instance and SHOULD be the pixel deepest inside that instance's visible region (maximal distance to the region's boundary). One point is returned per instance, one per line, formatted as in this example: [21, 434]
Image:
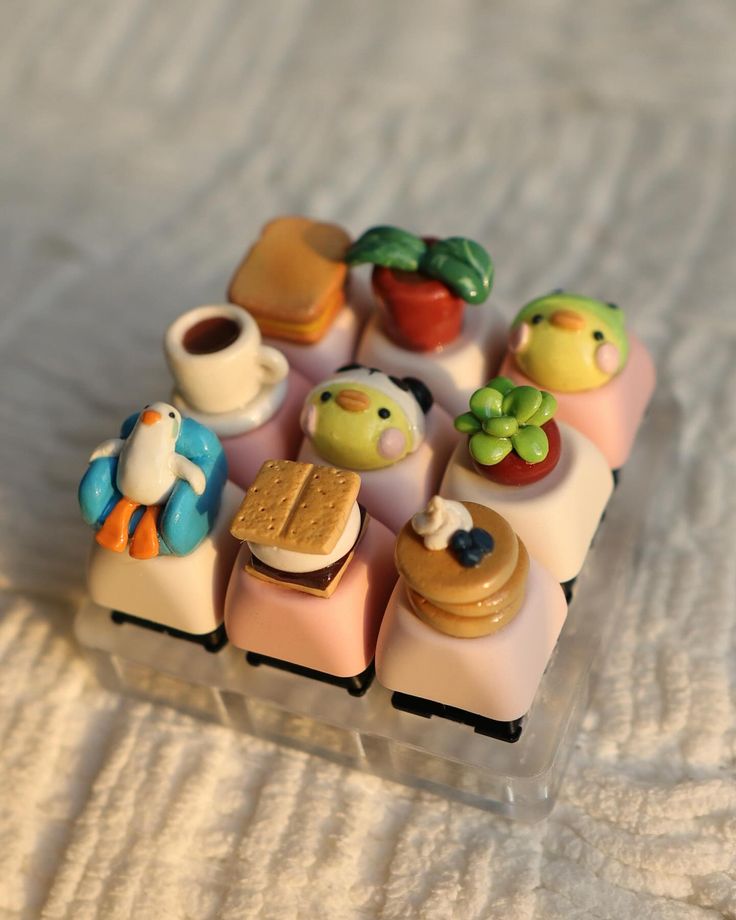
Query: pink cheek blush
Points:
[309, 420]
[391, 444]
[607, 358]
[519, 338]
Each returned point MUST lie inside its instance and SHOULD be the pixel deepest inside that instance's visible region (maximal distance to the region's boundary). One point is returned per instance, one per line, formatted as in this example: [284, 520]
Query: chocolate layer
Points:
[317, 580]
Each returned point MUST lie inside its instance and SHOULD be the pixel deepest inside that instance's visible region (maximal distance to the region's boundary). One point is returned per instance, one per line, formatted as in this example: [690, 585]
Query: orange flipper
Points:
[144, 544]
[113, 534]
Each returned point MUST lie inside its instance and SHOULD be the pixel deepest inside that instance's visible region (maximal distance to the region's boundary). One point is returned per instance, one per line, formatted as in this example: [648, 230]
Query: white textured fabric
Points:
[589, 145]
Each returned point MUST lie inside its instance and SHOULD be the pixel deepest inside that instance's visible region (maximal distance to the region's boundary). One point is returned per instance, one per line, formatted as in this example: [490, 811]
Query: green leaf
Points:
[503, 384]
[387, 246]
[545, 412]
[502, 427]
[467, 423]
[489, 450]
[522, 403]
[486, 403]
[463, 265]
[531, 444]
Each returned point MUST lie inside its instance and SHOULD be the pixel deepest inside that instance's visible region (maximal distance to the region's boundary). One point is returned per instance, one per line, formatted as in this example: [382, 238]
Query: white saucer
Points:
[252, 415]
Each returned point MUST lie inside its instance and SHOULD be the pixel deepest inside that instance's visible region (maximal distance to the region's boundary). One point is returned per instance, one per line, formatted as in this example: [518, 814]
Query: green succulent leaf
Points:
[467, 423]
[502, 427]
[488, 450]
[504, 385]
[486, 403]
[463, 265]
[522, 402]
[531, 444]
[389, 247]
[546, 410]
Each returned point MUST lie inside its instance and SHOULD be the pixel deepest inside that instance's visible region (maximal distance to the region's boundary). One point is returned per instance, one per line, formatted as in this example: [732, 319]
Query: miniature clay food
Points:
[313, 576]
[474, 635]
[423, 283]
[470, 546]
[569, 343]
[512, 436]
[441, 525]
[147, 470]
[363, 419]
[474, 584]
[440, 521]
[292, 279]
[301, 523]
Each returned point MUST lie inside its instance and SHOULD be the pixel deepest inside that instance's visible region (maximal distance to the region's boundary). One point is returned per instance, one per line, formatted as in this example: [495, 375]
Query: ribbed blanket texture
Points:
[587, 145]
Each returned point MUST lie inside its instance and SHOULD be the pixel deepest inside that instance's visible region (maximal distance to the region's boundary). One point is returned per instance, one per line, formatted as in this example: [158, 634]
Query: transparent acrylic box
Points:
[519, 780]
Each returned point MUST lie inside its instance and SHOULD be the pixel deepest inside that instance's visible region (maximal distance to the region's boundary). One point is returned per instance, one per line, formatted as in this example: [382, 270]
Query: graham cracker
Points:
[296, 506]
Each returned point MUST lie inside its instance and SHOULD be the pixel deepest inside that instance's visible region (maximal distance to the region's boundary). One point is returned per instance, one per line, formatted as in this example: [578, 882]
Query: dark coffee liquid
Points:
[209, 335]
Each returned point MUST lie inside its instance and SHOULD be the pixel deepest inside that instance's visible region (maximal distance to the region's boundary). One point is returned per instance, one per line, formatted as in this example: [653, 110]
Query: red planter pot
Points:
[513, 471]
[422, 314]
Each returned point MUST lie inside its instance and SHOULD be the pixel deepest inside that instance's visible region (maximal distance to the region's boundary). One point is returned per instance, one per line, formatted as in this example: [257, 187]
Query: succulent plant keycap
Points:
[509, 421]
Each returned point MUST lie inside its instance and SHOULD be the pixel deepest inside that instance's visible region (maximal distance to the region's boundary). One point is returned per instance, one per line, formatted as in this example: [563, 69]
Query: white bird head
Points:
[160, 414]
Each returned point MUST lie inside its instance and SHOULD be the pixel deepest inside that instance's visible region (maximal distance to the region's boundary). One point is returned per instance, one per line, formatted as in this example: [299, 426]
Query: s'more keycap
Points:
[296, 506]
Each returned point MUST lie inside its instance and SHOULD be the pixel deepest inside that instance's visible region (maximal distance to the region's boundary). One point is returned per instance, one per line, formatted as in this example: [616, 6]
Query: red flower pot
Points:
[422, 314]
[514, 471]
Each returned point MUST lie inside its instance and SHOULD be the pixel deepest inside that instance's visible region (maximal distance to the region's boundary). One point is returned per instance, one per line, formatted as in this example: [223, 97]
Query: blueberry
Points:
[471, 557]
[460, 541]
[482, 539]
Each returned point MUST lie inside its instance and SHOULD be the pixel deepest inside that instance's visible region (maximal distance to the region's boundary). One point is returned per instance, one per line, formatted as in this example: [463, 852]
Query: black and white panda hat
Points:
[412, 395]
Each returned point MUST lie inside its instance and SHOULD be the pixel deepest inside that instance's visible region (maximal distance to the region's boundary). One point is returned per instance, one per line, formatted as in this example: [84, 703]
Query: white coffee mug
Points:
[217, 359]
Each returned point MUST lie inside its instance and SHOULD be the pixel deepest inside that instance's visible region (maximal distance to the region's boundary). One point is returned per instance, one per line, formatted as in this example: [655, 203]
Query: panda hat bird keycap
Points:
[385, 427]
[363, 419]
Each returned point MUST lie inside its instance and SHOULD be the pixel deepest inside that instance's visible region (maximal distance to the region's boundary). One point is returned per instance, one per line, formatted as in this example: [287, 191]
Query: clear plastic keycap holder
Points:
[520, 780]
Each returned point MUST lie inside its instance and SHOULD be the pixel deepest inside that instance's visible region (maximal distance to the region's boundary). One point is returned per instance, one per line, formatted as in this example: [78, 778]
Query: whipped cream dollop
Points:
[439, 520]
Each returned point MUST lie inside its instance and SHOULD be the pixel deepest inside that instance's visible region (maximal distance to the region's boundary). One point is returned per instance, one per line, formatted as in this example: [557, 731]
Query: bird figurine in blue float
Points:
[158, 499]
[155, 489]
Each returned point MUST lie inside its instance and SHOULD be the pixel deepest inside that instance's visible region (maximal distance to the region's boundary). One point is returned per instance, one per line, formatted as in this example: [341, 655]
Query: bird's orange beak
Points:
[567, 319]
[150, 417]
[352, 400]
